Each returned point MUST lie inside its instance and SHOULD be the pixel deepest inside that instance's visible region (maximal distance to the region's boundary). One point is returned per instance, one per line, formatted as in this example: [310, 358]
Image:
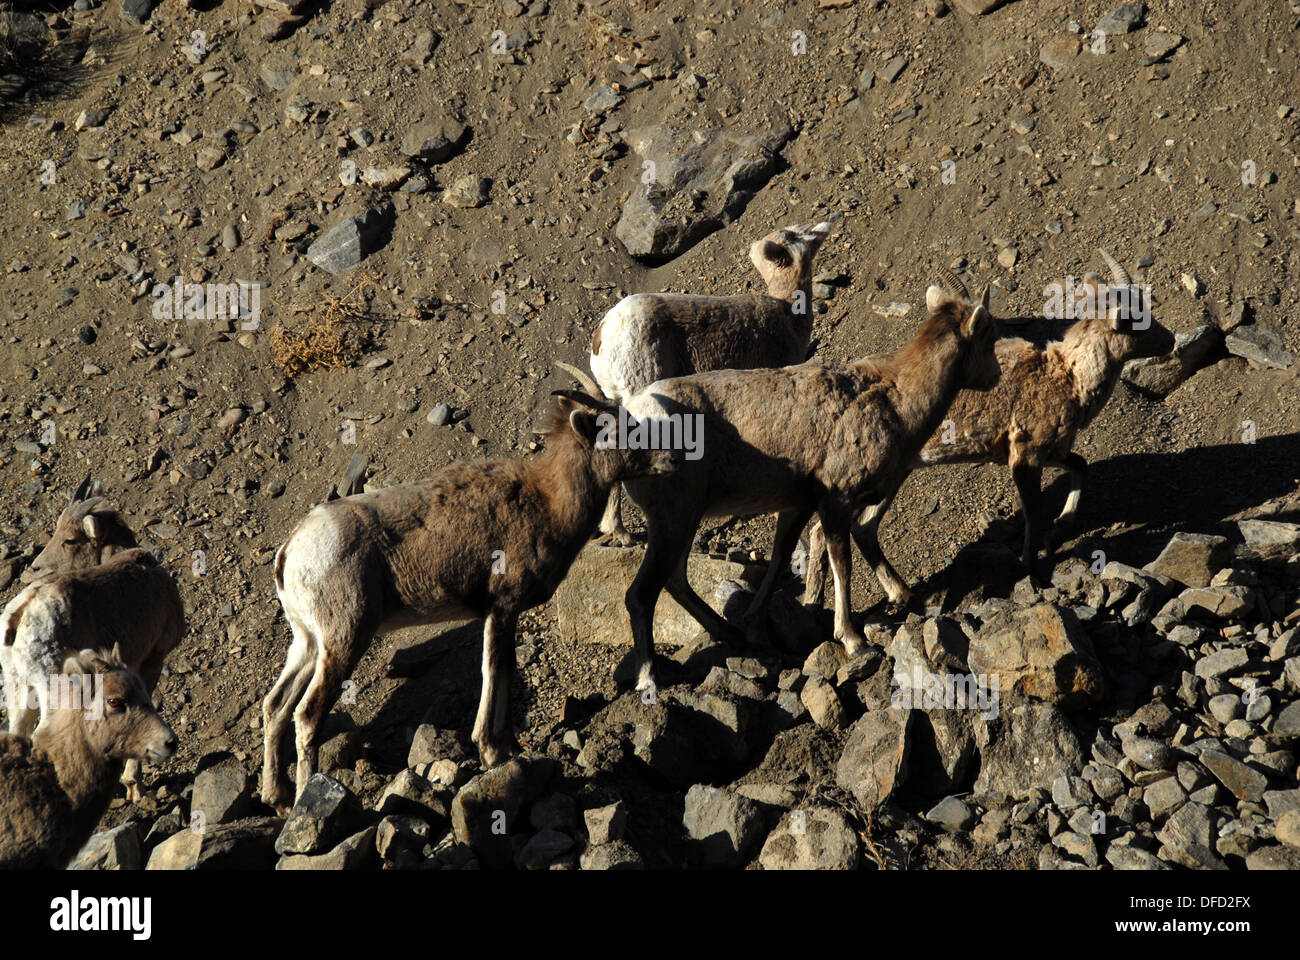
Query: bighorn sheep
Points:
[653, 336]
[486, 540]
[128, 599]
[87, 533]
[1030, 419]
[54, 789]
[798, 440]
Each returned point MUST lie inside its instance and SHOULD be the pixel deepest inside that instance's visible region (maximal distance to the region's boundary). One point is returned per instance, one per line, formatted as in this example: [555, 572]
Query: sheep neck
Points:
[925, 382]
[83, 772]
[573, 495]
[1086, 354]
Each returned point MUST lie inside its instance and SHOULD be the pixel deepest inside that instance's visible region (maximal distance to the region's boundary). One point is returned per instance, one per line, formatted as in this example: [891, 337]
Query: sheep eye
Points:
[115, 703]
[72, 542]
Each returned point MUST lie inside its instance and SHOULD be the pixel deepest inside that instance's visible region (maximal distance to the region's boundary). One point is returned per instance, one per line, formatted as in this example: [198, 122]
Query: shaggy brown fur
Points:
[798, 440]
[1028, 421]
[486, 540]
[54, 789]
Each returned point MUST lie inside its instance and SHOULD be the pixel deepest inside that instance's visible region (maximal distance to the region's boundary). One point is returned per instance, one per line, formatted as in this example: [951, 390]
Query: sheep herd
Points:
[774, 431]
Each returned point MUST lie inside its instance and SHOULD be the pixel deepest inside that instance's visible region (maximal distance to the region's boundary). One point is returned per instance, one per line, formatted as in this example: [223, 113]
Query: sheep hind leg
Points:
[866, 535]
[789, 524]
[1077, 469]
[277, 708]
[835, 525]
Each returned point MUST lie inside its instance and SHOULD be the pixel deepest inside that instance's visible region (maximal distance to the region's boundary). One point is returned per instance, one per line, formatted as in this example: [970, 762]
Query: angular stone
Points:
[223, 789]
[1027, 747]
[434, 141]
[1192, 558]
[357, 852]
[1039, 651]
[116, 849]
[697, 181]
[606, 824]
[874, 759]
[488, 809]
[324, 814]
[1262, 348]
[813, 838]
[353, 239]
[725, 827]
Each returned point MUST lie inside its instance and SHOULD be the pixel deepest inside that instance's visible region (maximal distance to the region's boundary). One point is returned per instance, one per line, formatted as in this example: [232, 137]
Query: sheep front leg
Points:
[611, 523]
[492, 734]
[1029, 484]
[835, 526]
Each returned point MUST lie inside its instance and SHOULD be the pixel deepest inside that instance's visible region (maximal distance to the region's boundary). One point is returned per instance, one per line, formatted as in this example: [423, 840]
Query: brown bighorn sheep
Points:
[87, 533]
[653, 336]
[1030, 419]
[798, 440]
[486, 540]
[54, 789]
[128, 599]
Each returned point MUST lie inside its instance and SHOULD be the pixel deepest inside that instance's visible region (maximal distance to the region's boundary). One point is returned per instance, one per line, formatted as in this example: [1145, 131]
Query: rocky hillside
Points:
[424, 205]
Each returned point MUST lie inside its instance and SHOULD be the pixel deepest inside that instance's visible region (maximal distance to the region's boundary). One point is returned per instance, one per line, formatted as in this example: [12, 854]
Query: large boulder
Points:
[1025, 748]
[874, 761]
[1040, 651]
[812, 838]
[692, 182]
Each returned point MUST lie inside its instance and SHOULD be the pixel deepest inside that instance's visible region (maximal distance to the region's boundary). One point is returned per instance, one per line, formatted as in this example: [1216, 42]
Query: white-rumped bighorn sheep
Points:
[800, 439]
[55, 788]
[653, 336]
[1044, 397]
[128, 599]
[487, 540]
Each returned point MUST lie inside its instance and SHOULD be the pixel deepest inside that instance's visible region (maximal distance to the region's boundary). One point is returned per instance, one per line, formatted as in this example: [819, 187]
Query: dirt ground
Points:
[1052, 161]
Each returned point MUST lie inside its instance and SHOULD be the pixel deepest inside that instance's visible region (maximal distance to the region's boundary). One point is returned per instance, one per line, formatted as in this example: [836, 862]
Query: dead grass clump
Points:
[332, 336]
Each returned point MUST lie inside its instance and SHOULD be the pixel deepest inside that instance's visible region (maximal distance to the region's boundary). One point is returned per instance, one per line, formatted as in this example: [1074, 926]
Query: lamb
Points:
[486, 540]
[1028, 421]
[129, 599]
[654, 336]
[800, 439]
[55, 788]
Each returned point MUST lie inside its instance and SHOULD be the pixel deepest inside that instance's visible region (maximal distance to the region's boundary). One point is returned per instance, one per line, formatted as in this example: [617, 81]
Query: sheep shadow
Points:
[1132, 504]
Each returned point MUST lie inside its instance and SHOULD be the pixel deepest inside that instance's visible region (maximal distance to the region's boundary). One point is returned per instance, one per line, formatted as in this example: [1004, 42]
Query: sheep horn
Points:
[82, 508]
[583, 379]
[81, 491]
[578, 397]
[1117, 272]
[954, 282]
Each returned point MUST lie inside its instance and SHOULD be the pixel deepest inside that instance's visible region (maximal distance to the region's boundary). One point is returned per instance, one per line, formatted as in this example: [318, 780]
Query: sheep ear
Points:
[776, 253]
[978, 317]
[813, 236]
[93, 525]
[934, 297]
[584, 425]
[117, 653]
[73, 665]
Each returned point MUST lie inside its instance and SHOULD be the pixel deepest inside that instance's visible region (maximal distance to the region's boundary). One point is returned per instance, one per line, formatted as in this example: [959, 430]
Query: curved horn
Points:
[954, 282]
[1117, 273]
[81, 491]
[578, 397]
[81, 508]
[585, 381]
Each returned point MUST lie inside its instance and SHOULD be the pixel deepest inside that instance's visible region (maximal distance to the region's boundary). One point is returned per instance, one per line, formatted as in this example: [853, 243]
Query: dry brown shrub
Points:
[331, 337]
